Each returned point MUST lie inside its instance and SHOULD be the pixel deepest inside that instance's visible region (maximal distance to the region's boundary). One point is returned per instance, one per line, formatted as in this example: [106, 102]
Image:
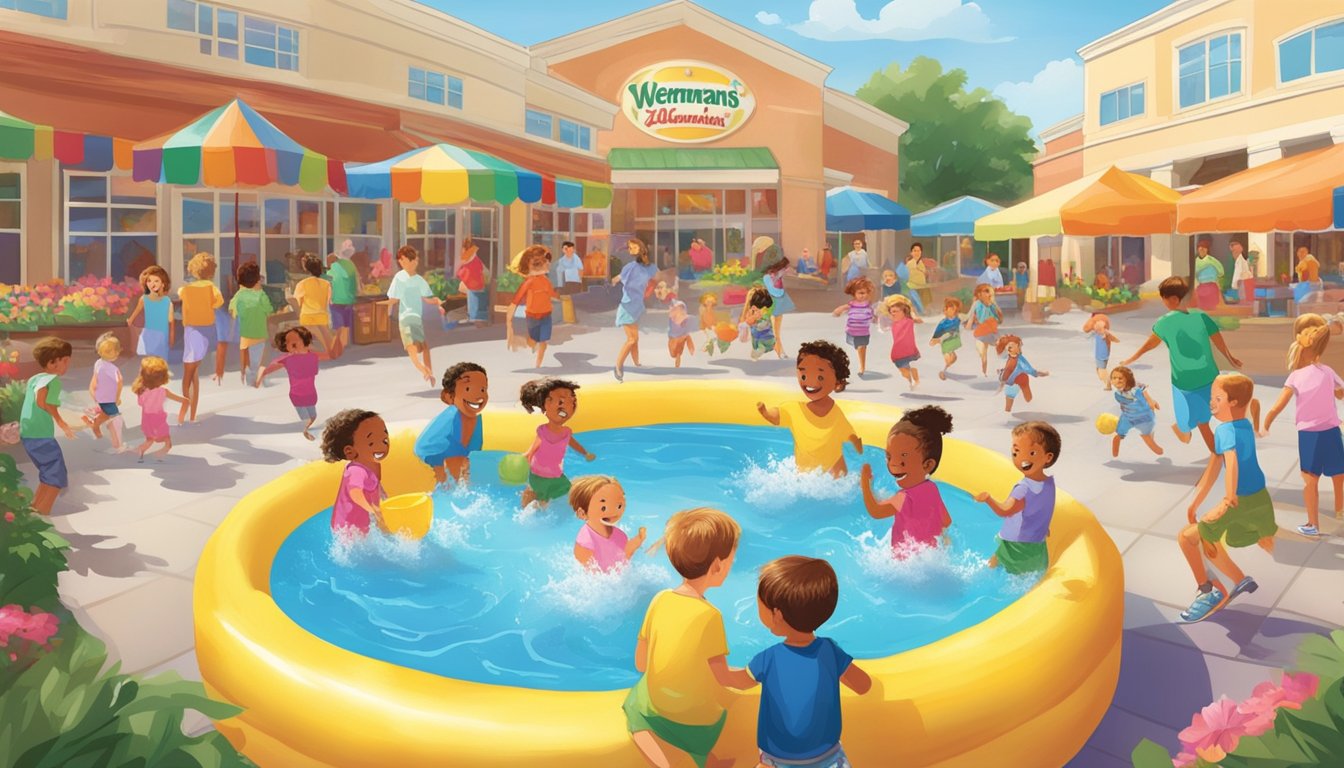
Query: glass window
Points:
[1313, 52]
[539, 124]
[1109, 112]
[228, 34]
[1122, 103]
[1136, 103]
[569, 132]
[455, 92]
[267, 44]
[1330, 47]
[181, 15]
[1191, 70]
[11, 226]
[764, 202]
[111, 224]
[52, 9]
[585, 137]
[1209, 69]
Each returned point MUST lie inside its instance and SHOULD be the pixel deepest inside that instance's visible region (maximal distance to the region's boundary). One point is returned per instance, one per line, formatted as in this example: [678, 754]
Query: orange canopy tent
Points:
[1121, 203]
[1288, 195]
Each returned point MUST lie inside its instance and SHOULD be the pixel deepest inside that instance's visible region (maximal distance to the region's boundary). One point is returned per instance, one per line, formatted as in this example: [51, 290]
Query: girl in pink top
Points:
[300, 362]
[904, 349]
[1320, 446]
[557, 400]
[599, 501]
[359, 437]
[914, 449]
[151, 393]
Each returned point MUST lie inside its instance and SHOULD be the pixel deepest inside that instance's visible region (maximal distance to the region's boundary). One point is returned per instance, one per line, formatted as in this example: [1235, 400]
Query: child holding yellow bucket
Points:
[557, 399]
[360, 438]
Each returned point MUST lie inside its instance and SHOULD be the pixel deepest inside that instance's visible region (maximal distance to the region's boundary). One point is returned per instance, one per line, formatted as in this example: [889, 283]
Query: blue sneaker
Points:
[1309, 530]
[1204, 605]
[1244, 587]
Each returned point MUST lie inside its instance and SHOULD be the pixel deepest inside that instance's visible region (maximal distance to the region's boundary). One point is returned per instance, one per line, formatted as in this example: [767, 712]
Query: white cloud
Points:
[903, 20]
[768, 19]
[1054, 94]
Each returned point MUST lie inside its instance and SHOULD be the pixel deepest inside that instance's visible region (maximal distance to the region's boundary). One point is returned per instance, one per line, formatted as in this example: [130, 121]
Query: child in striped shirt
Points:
[860, 317]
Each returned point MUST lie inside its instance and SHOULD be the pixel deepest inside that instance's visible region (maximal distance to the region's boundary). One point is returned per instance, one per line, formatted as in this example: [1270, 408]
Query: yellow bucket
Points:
[408, 514]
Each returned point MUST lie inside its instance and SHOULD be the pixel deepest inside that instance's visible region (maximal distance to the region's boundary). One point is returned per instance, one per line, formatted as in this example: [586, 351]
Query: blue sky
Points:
[1023, 50]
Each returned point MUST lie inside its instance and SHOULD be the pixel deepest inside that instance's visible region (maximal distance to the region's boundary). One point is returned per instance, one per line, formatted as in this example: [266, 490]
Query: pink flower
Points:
[37, 627]
[1268, 698]
[1216, 730]
[1300, 686]
[9, 517]
[1183, 760]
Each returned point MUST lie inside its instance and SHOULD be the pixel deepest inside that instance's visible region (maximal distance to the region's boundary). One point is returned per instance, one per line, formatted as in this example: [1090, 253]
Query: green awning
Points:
[692, 159]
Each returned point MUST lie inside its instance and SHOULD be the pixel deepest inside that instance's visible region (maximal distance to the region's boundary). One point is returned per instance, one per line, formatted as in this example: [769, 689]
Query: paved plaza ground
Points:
[137, 530]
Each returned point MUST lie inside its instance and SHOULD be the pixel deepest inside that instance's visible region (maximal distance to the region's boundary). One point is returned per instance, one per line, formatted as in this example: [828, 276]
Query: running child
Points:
[904, 348]
[359, 438]
[1245, 514]
[535, 296]
[755, 323]
[1320, 449]
[159, 334]
[558, 401]
[251, 308]
[447, 442]
[679, 332]
[799, 721]
[708, 318]
[890, 285]
[1014, 377]
[818, 426]
[300, 361]
[41, 416]
[947, 334]
[983, 321]
[151, 391]
[1030, 506]
[1098, 329]
[682, 647]
[1136, 410]
[105, 389]
[599, 501]
[859, 317]
[914, 450]
[410, 292]
[200, 334]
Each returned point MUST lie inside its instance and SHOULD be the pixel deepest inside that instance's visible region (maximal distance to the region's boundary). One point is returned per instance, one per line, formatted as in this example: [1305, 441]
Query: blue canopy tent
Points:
[849, 210]
[1339, 207]
[954, 217]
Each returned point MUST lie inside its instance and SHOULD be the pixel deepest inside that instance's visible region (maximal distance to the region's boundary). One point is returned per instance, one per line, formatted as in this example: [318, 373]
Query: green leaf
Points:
[1323, 656]
[1150, 754]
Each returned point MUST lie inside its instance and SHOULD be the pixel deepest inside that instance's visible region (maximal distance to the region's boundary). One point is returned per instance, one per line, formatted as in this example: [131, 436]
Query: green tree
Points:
[959, 142]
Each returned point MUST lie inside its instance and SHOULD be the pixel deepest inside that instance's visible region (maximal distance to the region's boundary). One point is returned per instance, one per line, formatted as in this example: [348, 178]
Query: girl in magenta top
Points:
[558, 400]
[300, 362]
[359, 437]
[599, 501]
[914, 449]
[904, 349]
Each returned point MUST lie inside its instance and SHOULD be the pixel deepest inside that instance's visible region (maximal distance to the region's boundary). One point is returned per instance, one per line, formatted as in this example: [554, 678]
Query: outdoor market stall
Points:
[850, 211]
[952, 225]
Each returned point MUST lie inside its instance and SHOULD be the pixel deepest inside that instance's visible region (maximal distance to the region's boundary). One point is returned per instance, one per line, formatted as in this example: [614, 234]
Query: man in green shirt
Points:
[1190, 336]
[252, 308]
[40, 417]
[344, 278]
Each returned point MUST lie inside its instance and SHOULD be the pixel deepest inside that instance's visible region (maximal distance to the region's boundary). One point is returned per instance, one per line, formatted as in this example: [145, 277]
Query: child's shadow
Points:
[773, 367]
[1061, 418]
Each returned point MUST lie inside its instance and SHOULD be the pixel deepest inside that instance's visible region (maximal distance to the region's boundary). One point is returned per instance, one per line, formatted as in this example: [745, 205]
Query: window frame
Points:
[583, 133]
[530, 114]
[1204, 39]
[212, 42]
[1311, 30]
[450, 87]
[108, 206]
[63, 5]
[22, 170]
[1128, 91]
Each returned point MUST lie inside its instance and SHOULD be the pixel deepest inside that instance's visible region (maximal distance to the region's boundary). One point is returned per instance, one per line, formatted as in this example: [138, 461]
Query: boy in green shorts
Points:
[1245, 516]
[682, 649]
[39, 419]
[251, 307]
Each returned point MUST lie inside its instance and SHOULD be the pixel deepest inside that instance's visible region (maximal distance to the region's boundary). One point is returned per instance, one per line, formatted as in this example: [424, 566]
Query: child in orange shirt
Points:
[535, 295]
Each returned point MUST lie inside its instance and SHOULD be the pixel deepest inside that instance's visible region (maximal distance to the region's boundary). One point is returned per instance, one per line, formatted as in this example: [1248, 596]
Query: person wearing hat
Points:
[1243, 277]
[759, 247]
[344, 279]
[1208, 275]
[774, 285]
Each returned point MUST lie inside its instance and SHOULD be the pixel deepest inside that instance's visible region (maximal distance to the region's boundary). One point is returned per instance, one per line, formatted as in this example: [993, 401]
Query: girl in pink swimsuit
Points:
[914, 449]
[599, 501]
[360, 438]
[558, 400]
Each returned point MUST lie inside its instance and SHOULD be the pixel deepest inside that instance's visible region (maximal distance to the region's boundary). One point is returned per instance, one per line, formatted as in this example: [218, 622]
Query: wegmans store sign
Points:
[687, 102]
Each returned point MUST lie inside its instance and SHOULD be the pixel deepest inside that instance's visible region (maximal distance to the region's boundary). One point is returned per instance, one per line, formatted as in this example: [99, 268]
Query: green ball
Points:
[513, 469]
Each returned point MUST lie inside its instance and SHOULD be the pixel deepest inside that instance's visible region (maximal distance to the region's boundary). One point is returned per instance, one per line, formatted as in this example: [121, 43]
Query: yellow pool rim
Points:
[1027, 686]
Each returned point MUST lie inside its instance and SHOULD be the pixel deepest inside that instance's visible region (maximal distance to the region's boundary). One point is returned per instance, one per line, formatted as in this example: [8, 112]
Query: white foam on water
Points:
[349, 549]
[590, 594]
[470, 506]
[779, 483]
[915, 565]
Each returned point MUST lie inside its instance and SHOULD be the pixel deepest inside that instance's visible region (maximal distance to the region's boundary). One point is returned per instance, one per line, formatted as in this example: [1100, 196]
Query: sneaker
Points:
[1244, 587]
[1309, 530]
[1205, 603]
[619, 374]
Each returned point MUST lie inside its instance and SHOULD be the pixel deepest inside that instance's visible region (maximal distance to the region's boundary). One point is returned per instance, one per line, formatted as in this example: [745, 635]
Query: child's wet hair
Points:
[312, 264]
[155, 271]
[853, 287]
[952, 301]
[249, 274]
[837, 357]
[282, 337]
[51, 349]
[927, 424]
[583, 490]
[1238, 387]
[108, 346]
[153, 374]
[803, 589]
[1005, 340]
[1126, 374]
[339, 433]
[532, 395]
[695, 538]
[457, 371]
[1174, 287]
[1044, 434]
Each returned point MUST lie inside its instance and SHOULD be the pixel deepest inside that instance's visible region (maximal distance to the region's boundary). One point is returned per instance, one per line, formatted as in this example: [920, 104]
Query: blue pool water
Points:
[494, 595]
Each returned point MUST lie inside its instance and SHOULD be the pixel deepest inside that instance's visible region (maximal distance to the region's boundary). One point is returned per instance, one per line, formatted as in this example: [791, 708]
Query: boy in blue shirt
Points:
[1245, 516]
[799, 721]
[447, 442]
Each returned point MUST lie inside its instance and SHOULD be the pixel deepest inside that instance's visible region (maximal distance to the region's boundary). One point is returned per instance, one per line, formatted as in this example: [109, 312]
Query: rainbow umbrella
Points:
[567, 193]
[443, 174]
[22, 140]
[234, 146]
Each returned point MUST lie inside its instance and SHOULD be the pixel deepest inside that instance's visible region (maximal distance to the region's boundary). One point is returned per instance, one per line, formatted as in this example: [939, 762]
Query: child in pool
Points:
[599, 501]
[1320, 449]
[158, 335]
[1244, 516]
[1136, 410]
[150, 392]
[756, 324]
[682, 647]
[914, 450]
[447, 441]
[904, 349]
[300, 362]
[105, 388]
[360, 438]
[819, 427]
[947, 334]
[557, 400]
[1030, 506]
[1014, 377]
[799, 721]
[983, 320]
[859, 317]
[1098, 329]
[890, 285]
[679, 332]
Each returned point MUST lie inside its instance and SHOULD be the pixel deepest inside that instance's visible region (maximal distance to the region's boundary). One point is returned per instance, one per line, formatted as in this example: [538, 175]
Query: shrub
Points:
[509, 282]
[442, 285]
[32, 554]
[11, 400]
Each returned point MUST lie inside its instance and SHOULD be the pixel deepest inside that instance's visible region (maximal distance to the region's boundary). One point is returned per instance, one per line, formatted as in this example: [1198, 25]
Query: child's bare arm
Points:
[1230, 478]
[574, 443]
[536, 443]
[632, 546]
[1204, 485]
[840, 310]
[1284, 397]
[1221, 345]
[53, 411]
[1148, 346]
[856, 680]
[1151, 402]
[93, 388]
[769, 414]
[1007, 508]
[362, 501]
[855, 441]
[730, 677]
[876, 509]
[585, 556]
[175, 398]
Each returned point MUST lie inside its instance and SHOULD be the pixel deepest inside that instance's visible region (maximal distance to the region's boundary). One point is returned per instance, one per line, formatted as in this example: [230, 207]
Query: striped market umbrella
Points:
[234, 146]
[22, 140]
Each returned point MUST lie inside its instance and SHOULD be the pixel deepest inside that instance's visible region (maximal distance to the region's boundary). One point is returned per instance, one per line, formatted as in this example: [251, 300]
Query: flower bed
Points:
[732, 272]
[442, 285]
[87, 301]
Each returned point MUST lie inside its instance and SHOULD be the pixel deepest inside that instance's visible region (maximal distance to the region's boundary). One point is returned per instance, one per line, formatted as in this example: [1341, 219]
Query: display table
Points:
[372, 320]
[1275, 301]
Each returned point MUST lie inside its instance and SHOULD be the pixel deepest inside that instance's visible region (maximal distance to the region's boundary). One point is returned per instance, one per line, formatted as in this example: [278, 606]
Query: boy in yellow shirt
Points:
[682, 649]
[820, 429]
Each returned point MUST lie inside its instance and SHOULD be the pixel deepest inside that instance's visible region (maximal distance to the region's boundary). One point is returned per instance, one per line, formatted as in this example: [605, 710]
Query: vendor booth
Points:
[853, 214]
[947, 231]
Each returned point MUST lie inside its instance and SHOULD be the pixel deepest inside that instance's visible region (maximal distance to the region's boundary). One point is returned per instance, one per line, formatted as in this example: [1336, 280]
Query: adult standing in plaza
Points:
[856, 262]
[569, 270]
[634, 280]
[1308, 269]
[917, 278]
[702, 258]
[783, 303]
[471, 271]
[1208, 277]
[344, 279]
[1243, 278]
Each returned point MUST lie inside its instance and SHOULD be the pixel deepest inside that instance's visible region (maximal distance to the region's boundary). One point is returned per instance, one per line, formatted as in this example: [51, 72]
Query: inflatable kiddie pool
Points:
[1025, 687]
